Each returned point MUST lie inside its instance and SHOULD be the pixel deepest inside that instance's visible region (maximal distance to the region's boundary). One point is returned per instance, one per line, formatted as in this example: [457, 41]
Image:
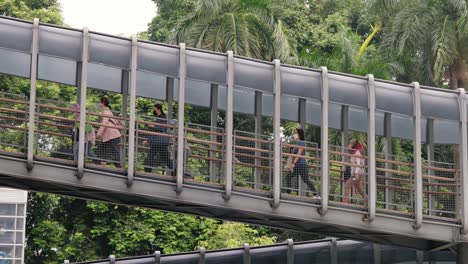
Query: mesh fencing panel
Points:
[440, 185]
[54, 130]
[301, 178]
[155, 146]
[253, 161]
[204, 150]
[348, 176]
[395, 183]
[13, 122]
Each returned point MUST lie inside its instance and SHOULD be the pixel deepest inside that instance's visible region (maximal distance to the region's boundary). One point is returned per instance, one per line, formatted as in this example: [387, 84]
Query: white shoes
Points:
[317, 197]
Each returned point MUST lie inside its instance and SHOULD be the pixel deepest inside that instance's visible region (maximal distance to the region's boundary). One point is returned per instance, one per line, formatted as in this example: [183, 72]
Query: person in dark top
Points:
[158, 153]
[298, 166]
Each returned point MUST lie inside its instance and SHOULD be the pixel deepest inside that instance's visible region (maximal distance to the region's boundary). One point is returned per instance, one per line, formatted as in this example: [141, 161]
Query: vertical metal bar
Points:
[377, 254]
[344, 141]
[430, 159]
[290, 259]
[83, 89]
[125, 90]
[258, 132]
[157, 257]
[388, 153]
[132, 121]
[463, 149]
[372, 173]
[32, 96]
[170, 97]
[333, 251]
[418, 199]
[324, 142]
[277, 135]
[213, 124]
[462, 253]
[112, 259]
[181, 117]
[202, 253]
[229, 125]
[419, 256]
[302, 113]
[246, 256]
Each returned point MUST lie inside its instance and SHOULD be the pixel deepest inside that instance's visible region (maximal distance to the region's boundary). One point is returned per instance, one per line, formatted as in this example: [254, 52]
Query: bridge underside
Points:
[207, 202]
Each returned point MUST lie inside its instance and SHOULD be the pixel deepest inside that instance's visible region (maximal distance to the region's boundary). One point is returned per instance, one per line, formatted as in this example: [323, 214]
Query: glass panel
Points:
[243, 102]
[7, 237]
[358, 119]
[312, 253]
[379, 123]
[269, 256]
[355, 252]
[402, 127]
[313, 112]
[267, 105]
[20, 223]
[6, 251]
[19, 35]
[19, 252]
[104, 77]
[19, 237]
[289, 108]
[393, 98]
[347, 90]
[334, 116]
[57, 70]
[15, 63]
[151, 85]
[60, 42]
[299, 82]
[7, 223]
[446, 132]
[253, 74]
[437, 104]
[8, 209]
[20, 210]
[196, 93]
[111, 51]
[158, 59]
[225, 257]
[206, 67]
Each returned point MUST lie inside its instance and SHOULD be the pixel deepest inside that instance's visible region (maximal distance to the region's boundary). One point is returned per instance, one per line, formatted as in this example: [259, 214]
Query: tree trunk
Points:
[457, 74]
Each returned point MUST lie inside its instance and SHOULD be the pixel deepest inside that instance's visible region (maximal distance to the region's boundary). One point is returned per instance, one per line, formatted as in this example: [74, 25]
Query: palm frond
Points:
[444, 47]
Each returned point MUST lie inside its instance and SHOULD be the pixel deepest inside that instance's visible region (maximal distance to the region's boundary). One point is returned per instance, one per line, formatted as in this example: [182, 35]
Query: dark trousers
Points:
[300, 170]
[109, 151]
[158, 155]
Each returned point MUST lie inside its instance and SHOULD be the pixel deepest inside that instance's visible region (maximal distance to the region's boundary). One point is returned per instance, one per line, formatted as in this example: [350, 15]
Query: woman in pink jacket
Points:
[109, 133]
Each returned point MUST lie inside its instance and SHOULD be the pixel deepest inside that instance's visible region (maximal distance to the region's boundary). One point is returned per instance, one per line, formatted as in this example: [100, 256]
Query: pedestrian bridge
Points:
[221, 168]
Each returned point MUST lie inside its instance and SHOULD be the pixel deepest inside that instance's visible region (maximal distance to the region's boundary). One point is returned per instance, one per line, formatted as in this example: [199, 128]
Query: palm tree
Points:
[251, 28]
[432, 33]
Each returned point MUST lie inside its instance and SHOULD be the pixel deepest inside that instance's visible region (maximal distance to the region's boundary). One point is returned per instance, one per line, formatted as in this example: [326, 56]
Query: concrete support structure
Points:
[463, 155]
[277, 135]
[372, 173]
[229, 129]
[181, 118]
[32, 93]
[132, 119]
[418, 183]
[324, 141]
[83, 89]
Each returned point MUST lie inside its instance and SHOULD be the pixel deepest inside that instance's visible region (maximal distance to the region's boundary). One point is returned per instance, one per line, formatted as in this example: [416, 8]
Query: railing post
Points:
[344, 140]
[418, 199]
[131, 131]
[214, 124]
[229, 126]
[170, 97]
[32, 96]
[290, 258]
[372, 173]
[83, 89]
[388, 153]
[277, 135]
[430, 159]
[324, 142]
[246, 255]
[181, 117]
[258, 132]
[463, 149]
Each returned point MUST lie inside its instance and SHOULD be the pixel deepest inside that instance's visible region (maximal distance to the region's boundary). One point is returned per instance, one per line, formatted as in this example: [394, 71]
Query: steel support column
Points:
[418, 199]
[124, 83]
[83, 90]
[132, 119]
[246, 255]
[277, 135]
[213, 124]
[377, 254]
[372, 173]
[463, 149]
[388, 153]
[430, 158]
[290, 258]
[181, 117]
[302, 114]
[32, 95]
[258, 132]
[229, 125]
[462, 253]
[344, 140]
[170, 97]
[333, 251]
[324, 142]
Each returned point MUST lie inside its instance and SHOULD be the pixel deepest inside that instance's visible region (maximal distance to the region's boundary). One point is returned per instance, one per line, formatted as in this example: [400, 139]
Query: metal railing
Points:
[56, 140]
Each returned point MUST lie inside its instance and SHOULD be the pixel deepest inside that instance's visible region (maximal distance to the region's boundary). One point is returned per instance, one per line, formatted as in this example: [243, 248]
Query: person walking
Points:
[109, 149]
[356, 171]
